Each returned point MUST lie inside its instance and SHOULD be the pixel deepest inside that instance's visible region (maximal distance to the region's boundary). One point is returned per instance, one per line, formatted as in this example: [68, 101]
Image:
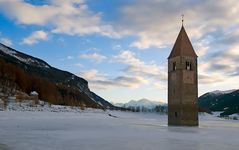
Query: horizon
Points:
[121, 47]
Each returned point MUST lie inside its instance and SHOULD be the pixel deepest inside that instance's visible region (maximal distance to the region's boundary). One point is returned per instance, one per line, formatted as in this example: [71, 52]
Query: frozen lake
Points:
[99, 131]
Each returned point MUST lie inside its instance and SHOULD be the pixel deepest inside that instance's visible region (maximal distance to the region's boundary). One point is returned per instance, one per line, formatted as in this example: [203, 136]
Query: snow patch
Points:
[218, 92]
[25, 60]
[33, 93]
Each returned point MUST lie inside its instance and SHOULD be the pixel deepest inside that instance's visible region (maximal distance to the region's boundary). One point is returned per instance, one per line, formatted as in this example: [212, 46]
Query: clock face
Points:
[188, 77]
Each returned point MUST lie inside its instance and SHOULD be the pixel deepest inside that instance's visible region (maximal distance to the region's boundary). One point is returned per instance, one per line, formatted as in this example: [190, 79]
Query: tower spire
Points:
[182, 46]
[182, 82]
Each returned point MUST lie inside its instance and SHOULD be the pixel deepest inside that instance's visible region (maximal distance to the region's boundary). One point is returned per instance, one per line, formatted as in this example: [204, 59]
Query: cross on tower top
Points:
[182, 18]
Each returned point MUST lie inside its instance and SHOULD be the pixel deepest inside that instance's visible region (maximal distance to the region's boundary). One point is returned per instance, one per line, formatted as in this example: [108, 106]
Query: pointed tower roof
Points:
[182, 46]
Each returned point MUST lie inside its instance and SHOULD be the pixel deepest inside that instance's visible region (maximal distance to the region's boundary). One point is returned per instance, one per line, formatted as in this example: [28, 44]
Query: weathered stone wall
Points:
[182, 92]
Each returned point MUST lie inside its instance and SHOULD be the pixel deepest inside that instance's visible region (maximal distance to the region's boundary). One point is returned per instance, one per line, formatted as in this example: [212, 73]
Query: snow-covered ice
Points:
[96, 130]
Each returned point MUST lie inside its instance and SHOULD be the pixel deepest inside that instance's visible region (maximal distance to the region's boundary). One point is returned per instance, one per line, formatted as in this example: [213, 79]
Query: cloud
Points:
[35, 37]
[71, 17]
[6, 41]
[202, 47]
[225, 61]
[128, 57]
[156, 22]
[136, 74]
[136, 66]
[92, 75]
[117, 47]
[98, 58]
[70, 57]
[220, 66]
[209, 79]
[160, 86]
[102, 81]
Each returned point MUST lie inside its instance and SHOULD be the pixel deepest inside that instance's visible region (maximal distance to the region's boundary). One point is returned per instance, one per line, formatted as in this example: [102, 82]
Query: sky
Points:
[121, 47]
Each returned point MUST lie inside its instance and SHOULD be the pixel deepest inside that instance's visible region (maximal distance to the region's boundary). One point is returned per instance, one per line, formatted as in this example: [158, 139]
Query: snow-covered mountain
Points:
[141, 103]
[219, 92]
[25, 73]
[225, 101]
[22, 57]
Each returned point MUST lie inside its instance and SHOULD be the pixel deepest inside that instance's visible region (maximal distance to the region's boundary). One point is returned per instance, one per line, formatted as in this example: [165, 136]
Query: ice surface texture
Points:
[96, 130]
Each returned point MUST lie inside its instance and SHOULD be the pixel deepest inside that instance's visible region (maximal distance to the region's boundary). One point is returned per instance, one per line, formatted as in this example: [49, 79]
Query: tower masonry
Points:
[182, 83]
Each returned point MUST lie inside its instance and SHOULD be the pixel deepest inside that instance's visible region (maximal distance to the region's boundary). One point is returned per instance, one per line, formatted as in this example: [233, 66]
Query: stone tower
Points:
[182, 83]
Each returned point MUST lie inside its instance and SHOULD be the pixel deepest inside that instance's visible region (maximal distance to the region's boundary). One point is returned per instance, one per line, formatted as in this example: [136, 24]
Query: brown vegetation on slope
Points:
[16, 78]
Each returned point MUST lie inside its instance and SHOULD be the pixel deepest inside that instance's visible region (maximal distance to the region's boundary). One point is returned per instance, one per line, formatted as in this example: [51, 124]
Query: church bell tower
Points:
[182, 83]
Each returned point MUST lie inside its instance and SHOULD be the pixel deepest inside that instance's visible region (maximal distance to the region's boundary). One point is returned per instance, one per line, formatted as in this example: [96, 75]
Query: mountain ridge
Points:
[143, 105]
[225, 101]
[67, 84]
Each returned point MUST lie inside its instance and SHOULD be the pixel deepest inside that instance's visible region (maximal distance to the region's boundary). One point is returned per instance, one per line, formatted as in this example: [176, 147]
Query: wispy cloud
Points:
[160, 86]
[102, 81]
[137, 73]
[117, 47]
[156, 22]
[136, 66]
[6, 41]
[62, 16]
[70, 57]
[220, 66]
[35, 37]
[209, 79]
[98, 58]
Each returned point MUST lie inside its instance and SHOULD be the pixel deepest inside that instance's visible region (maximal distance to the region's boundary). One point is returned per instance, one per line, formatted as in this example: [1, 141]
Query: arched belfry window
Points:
[189, 65]
[176, 114]
[174, 66]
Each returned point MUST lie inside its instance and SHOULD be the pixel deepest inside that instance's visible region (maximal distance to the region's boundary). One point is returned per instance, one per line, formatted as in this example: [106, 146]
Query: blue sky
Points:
[120, 46]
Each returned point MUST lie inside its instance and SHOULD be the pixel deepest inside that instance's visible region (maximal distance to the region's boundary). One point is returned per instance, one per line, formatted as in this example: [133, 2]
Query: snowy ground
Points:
[96, 130]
